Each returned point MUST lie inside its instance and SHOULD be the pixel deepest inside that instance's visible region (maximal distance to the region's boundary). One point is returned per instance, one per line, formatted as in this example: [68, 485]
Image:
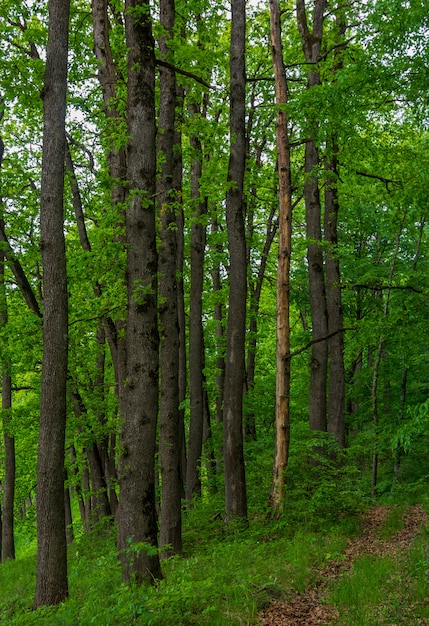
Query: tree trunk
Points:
[51, 576]
[177, 185]
[170, 442]
[337, 374]
[137, 519]
[8, 537]
[283, 270]
[235, 480]
[196, 339]
[7, 541]
[311, 43]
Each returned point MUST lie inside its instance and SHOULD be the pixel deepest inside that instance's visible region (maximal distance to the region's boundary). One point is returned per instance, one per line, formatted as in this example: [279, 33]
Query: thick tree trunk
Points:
[170, 431]
[51, 576]
[283, 270]
[137, 519]
[235, 480]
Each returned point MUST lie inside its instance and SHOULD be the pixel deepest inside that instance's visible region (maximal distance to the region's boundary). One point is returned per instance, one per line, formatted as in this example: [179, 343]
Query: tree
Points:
[235, 480]
[51, 577]
[137, 519]
[170, 430]
[283, 270]
[311, 43]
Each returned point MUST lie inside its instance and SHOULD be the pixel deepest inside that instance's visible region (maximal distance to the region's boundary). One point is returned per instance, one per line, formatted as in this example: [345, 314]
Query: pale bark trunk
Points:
[283, 270]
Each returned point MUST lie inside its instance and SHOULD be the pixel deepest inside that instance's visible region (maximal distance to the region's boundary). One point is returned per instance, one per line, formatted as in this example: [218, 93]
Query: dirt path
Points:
[308, 609]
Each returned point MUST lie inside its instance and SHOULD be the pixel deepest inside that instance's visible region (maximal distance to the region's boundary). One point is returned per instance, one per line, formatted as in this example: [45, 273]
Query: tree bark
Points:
[196, 340]
[337, 374]
[311, 43]
[170, 431]
[235, 479]
[283, 360]
[51, 576]
[137, 519]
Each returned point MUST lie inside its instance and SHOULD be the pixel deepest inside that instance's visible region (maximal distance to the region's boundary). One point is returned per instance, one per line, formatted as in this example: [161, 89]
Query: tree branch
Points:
[313, 341]
[173, 68]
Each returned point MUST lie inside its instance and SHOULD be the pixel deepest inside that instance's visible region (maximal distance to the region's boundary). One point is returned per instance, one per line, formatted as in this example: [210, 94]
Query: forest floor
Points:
[311, 607]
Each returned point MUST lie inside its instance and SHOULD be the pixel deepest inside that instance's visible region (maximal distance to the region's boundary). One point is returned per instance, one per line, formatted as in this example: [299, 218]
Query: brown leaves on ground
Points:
[308, 609]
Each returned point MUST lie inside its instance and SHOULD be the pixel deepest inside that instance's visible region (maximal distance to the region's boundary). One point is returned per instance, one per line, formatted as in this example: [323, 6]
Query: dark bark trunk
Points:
[170, 431]
[177, 185]
[100, 507]
[79, 489]
[68, 511]
[8, 536]
[137, 519]
[108, 77]
[196, 339]
[311, 43]
[220, 345]
[337, 375]
[51, 576]
[235, 480]
[7, 546]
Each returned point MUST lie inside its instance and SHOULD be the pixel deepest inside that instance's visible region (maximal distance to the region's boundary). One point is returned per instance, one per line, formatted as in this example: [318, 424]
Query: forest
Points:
[213, 312]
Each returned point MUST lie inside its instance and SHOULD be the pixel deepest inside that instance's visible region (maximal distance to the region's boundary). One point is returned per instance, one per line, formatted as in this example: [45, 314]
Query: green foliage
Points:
[323, 481]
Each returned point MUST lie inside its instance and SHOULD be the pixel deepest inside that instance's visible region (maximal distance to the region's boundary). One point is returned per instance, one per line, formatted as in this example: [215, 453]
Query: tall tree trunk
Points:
[177, 185]
[311, 43]
[109, 76]
[220, 345]
[137, 519]
[283, 270]
[337, 374]
[170, 431]
[235, 479]
[378, 358]
[7, 541]
[196, 339]
[51, 576]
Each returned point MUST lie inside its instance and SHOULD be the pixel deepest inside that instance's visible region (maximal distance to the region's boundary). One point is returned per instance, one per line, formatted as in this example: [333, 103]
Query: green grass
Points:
[225, 578]
[385, 590]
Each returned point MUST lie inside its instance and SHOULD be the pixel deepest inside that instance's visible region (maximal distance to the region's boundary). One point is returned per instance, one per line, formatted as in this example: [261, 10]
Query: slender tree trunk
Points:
[177, 185]
[7, 541]
[235, 479]
[137, 519]
[283, 270]
[108, 77]
[51, 576]
[196, 339]
[311, 43]
[220, 345]
[8, 535]
[337, 375]
[377, 362]
[68, 511]
[170, 431]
